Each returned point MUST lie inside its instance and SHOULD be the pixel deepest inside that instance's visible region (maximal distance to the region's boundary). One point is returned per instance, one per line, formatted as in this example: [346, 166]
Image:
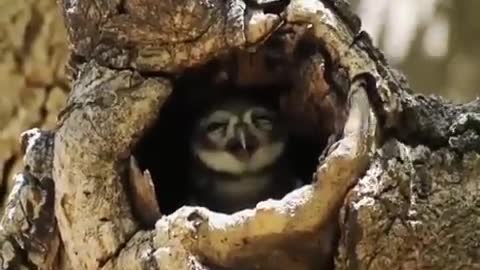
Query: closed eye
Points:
[216, 126]
[263, 122]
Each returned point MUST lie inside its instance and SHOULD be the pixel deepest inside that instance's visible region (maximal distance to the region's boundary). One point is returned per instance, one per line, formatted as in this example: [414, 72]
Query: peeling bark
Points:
[396, 198]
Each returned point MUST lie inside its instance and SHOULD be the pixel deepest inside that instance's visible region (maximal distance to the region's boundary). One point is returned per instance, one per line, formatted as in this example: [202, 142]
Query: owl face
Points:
[238, 136]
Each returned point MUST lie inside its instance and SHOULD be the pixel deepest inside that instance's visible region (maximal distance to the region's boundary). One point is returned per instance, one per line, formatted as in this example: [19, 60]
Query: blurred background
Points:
[436, 43]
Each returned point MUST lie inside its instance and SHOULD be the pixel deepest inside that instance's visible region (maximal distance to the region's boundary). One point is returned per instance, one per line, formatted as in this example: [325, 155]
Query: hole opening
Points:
[309, 118]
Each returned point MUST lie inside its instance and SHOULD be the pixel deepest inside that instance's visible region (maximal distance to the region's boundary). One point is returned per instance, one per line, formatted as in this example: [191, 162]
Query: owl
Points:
[238, 156]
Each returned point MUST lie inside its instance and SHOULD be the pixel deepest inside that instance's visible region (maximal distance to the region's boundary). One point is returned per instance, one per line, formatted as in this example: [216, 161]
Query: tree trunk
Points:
[33, 85]
[402, 170]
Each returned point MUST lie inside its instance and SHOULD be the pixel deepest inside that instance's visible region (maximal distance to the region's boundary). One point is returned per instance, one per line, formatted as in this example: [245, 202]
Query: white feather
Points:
[222, 161]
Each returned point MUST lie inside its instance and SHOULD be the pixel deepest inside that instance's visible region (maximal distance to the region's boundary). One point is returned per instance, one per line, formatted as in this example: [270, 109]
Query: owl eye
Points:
[263, 122]
[216, 126]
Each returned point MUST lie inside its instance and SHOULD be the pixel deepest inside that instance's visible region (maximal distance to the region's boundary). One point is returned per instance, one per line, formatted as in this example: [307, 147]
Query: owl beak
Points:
[241, 136]
[241, 146]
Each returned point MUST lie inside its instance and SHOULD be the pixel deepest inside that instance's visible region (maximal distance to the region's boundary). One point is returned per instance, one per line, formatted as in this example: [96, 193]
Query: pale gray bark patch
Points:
[28, 233]
[415, 208]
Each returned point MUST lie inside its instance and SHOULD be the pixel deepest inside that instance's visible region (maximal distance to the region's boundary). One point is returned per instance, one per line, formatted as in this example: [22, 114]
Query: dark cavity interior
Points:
[165, 149]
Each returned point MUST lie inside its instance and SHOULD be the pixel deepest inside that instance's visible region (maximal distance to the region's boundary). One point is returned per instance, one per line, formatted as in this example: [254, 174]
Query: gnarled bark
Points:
[127, 57]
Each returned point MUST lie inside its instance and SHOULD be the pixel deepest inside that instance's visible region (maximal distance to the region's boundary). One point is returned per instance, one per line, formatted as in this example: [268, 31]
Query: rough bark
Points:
[416, 208]
[407, 211]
